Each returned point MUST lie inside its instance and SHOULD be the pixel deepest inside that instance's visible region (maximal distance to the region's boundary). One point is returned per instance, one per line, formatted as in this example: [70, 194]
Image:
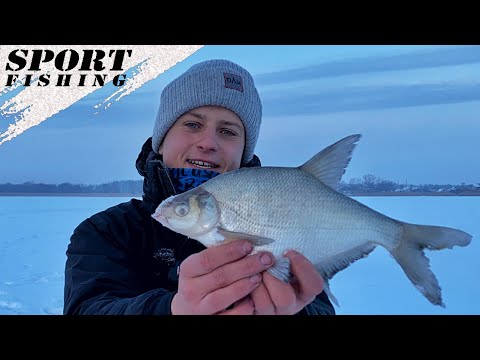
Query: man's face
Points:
[208, 137]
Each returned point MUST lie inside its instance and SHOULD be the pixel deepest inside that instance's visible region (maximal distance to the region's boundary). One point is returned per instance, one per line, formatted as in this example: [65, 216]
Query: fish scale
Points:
[307, 227]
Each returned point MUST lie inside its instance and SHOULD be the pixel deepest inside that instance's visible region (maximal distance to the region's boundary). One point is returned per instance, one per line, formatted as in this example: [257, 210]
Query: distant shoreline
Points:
[73, 194]
[416, 193]
[390, 194]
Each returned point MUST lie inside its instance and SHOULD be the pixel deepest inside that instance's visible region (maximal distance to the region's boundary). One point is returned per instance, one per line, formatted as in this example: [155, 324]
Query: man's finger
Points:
[222, 298]
[209, 259]
[282, 294]
[262, 302]
[229, 273]
[309, 281]
[242, 307]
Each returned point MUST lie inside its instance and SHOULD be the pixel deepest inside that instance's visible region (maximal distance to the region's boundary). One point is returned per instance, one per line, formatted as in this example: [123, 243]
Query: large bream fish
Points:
[282, 208]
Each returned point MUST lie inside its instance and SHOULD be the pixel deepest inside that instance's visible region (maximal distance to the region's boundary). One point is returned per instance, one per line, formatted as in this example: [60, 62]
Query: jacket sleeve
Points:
[99, 280]
[320, 306]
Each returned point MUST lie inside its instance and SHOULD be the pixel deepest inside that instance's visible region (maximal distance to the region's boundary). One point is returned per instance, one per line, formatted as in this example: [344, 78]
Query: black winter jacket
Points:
[122, 261]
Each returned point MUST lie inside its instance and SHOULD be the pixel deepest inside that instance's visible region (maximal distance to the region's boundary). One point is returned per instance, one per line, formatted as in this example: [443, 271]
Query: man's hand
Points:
[274, 297]
[213, 279]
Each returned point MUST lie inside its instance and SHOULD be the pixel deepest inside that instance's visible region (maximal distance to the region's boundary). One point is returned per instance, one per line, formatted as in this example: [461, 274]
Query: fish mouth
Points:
[202, 164]
[160, 218]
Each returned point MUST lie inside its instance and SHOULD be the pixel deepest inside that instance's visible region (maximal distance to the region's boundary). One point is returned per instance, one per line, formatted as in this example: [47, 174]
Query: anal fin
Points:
[329, 267]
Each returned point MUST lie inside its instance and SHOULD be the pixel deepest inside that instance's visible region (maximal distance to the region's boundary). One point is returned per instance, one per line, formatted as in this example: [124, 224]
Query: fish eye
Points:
[182, 209]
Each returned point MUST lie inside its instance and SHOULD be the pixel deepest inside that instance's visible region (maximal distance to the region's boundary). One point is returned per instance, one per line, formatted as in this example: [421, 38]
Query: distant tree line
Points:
[371, 184]
[368, 184]
[133, 187]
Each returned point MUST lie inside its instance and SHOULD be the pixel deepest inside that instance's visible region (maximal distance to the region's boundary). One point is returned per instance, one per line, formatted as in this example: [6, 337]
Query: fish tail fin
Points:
[410, 255]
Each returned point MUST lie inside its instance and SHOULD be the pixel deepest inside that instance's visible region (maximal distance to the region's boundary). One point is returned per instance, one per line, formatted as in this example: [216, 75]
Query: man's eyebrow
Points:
[229, 123]
[193, 113]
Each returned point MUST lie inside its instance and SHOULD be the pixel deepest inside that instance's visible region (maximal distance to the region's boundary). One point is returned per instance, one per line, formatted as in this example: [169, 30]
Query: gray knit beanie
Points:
[212, 82]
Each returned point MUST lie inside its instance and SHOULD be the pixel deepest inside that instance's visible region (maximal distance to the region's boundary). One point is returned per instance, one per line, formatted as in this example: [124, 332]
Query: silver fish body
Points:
[298, 212]
[283, 208]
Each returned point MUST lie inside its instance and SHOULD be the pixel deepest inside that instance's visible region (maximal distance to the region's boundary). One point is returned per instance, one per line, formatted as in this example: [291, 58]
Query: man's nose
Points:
[208, 141]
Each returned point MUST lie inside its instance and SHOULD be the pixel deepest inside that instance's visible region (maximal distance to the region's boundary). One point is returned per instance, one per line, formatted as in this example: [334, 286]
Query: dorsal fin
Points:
[330, 164]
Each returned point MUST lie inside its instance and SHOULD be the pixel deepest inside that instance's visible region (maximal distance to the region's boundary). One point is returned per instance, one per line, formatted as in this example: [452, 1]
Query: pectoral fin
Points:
[255, 240]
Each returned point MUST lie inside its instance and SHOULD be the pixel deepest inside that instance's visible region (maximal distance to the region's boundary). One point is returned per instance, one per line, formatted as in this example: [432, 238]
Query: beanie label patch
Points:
[233, 82]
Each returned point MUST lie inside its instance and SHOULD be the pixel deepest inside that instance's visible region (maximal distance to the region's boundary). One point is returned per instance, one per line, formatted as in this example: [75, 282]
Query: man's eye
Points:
[228, 132]
[192, 125]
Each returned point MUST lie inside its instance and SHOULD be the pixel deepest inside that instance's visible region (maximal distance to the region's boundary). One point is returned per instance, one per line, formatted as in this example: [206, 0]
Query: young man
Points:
[122, 261]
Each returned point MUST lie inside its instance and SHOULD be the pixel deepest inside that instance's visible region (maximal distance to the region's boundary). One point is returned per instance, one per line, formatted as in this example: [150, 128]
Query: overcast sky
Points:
[417, 108]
